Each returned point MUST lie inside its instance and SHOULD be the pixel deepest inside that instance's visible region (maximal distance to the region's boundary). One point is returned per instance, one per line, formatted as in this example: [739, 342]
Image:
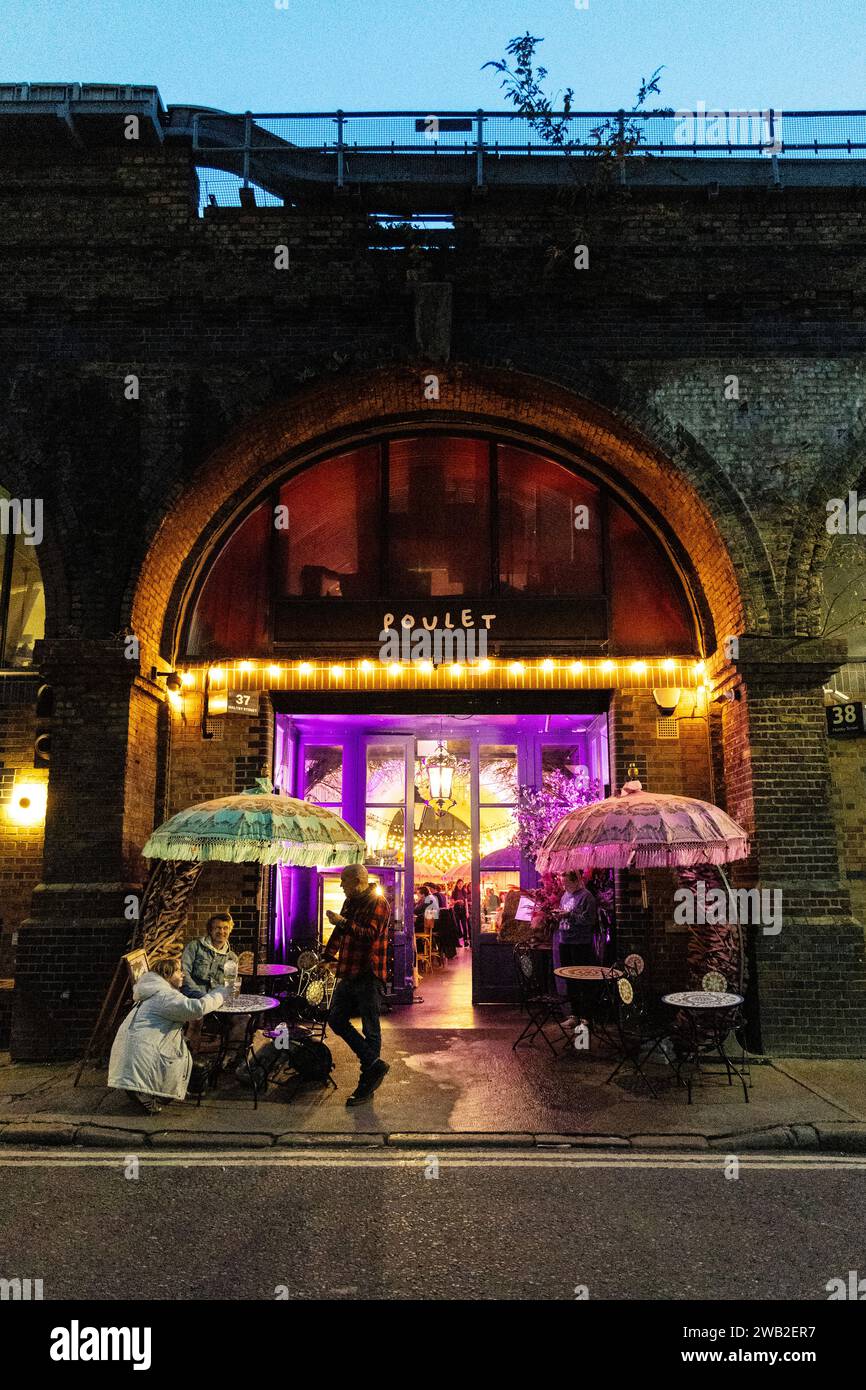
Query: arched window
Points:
[424, 520]
[22, 599]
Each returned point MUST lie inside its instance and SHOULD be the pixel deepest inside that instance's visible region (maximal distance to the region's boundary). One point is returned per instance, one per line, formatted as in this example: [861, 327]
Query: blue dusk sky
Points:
[306, 55]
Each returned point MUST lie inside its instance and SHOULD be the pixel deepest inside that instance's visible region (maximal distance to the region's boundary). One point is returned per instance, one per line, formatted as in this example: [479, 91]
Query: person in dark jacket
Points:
[576, 935]
[460, 898]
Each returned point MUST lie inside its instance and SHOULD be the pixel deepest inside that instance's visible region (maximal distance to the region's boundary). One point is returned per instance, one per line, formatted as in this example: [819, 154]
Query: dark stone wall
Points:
[110, 274]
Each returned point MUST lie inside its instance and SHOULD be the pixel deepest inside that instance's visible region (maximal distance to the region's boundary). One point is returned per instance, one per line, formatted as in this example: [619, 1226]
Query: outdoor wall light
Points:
[338, 672]
[27, 806]
[667, 700]
[426, 668]
[172, 680]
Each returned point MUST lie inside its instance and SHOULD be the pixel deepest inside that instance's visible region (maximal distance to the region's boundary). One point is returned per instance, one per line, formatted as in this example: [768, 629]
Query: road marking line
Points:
[117, 1158]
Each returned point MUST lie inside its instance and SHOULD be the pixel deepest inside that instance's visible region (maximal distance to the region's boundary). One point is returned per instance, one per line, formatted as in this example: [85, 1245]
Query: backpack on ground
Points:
[308, 1059]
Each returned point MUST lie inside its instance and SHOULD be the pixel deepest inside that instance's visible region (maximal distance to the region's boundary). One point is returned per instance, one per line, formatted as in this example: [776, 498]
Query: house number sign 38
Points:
[846, 721]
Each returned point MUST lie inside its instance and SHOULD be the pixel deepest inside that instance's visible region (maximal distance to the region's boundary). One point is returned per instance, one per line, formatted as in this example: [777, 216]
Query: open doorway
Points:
[436, 799]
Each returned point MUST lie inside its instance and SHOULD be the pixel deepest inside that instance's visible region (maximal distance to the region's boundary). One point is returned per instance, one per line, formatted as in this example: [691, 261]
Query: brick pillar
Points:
[100, 811]
[811, 978]
[682, 765]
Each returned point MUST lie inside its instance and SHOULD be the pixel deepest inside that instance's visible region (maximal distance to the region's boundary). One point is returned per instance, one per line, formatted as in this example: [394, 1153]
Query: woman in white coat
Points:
[149, 1058]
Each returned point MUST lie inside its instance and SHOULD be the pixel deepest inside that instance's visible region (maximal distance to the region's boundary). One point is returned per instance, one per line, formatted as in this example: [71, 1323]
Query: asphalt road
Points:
[490, 1225]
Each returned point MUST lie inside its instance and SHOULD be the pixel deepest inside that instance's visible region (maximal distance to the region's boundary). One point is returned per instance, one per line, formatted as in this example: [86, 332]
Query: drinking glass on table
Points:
[232, 979]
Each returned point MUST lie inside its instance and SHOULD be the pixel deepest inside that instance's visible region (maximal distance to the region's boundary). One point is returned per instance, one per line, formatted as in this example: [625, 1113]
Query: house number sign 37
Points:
[242, 702]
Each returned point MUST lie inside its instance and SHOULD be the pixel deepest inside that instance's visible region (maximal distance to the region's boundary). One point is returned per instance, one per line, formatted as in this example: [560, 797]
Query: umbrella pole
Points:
[741, 961]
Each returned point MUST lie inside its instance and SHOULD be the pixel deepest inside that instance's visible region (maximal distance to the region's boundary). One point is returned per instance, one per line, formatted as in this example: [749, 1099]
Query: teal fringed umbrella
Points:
[258, 827]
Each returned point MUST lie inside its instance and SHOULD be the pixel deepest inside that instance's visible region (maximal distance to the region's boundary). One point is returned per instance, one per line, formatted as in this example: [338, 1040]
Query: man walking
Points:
[359, 944]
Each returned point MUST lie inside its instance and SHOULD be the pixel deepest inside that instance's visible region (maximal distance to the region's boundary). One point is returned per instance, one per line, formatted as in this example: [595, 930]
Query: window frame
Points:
[385, 595]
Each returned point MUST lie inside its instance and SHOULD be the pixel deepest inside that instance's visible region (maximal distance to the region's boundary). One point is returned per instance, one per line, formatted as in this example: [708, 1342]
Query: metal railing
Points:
[477, 136]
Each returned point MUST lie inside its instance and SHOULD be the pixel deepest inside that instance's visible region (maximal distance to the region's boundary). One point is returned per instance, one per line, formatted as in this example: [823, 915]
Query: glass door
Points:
[389, 786]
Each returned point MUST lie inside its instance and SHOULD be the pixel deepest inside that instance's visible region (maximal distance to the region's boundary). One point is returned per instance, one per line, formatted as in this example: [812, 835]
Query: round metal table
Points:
[245, 1004]
[706, 1008]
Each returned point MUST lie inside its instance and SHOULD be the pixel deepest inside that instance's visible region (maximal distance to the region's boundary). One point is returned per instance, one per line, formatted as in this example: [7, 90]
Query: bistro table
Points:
[267, 972]
[595, 974]
[248, 1005]
[711, 1010]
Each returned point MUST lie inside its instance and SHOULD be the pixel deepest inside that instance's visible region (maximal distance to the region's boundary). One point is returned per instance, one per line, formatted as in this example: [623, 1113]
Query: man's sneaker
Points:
[370, 1080]
[571, 1022]
[376, 1075]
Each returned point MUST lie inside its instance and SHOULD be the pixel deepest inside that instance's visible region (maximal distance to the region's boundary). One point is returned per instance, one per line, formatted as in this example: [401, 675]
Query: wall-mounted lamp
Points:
[28, 802]
[667, 700]
[173, 681]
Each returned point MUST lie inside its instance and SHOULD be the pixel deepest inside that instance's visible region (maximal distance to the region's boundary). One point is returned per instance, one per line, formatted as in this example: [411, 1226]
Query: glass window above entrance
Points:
[430, 526]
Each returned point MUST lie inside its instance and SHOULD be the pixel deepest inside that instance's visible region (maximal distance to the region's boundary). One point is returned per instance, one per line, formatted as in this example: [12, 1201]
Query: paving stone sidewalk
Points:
[458, 1087]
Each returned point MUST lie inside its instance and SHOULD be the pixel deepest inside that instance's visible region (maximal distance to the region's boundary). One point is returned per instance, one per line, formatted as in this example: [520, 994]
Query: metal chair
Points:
[540, 1005]
[308, 1007]
[639, 1030]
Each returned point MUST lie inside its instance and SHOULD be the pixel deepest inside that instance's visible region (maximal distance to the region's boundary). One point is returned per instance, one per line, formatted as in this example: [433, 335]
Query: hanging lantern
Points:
[440, 768]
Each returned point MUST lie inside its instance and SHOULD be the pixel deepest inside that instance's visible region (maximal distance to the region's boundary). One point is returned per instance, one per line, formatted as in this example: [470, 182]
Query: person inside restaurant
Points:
[461, 895]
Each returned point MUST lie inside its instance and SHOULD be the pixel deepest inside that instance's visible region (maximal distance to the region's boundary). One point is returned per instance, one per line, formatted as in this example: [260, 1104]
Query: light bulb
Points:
[305, 668]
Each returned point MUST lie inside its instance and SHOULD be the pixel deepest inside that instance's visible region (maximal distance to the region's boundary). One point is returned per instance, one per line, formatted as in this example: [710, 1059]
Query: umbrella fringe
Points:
[653, 856]
[312, 854]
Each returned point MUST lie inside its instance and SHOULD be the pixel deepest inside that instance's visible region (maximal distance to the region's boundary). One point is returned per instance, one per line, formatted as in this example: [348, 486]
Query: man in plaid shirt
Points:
[359, 944]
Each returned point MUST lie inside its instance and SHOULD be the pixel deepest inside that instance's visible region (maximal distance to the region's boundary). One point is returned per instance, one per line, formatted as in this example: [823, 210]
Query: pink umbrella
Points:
[650, 830]
[642, 830]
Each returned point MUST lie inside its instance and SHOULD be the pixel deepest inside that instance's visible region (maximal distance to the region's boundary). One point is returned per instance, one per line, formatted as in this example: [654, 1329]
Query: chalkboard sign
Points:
[846, 721]
[242, 702]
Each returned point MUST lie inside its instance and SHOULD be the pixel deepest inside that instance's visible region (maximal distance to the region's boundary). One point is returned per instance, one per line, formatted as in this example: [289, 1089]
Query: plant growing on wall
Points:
[523, 84]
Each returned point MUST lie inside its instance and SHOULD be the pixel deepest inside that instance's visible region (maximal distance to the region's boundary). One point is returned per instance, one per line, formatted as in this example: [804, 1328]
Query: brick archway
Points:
[695, 516]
